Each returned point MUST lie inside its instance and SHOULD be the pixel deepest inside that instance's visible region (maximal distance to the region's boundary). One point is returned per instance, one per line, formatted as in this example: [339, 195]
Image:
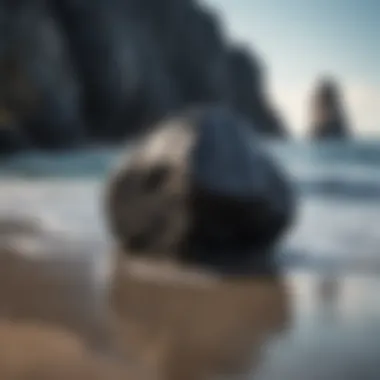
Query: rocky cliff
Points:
[74, 72]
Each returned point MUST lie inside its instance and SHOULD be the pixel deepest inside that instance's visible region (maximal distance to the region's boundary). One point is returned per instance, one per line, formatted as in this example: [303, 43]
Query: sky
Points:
[301, 40]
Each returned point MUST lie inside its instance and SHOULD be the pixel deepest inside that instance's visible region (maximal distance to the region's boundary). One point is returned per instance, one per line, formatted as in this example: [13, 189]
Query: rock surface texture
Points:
[74, 72]
[202, 189]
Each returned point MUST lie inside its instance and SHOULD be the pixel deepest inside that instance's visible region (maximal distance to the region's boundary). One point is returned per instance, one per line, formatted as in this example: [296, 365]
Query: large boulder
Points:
[328, 119]
[201, 188]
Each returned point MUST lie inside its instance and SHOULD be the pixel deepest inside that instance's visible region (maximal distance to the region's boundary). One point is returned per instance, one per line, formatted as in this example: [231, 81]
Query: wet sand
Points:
[333, 333]
[330, 333]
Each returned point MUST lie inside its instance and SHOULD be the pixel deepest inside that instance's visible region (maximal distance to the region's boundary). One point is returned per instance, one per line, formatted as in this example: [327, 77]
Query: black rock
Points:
[202, 189]
[121, 65]
[141, 60]
[100, 71]
[12, 141]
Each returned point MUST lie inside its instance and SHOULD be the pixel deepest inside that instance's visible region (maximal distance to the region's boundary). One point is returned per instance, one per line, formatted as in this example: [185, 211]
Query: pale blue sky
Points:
[302, 39]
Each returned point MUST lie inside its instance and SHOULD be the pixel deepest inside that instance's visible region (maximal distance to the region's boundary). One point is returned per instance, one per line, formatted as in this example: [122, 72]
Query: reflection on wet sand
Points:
[47, 279]
[31, 351]
[52, 315]
[193, 325]
[173, 323]
[172, 328]
[335, 325]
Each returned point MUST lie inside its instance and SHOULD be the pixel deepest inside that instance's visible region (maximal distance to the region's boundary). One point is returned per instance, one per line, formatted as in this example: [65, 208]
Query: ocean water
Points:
[337, 184]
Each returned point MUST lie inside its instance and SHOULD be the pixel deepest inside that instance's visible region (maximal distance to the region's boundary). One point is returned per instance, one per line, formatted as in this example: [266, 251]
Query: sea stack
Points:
[328, 114]
[202, 189]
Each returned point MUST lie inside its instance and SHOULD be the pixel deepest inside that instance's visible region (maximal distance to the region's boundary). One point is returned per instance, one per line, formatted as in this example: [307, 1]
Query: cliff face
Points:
[328, 115]
[101, 70]
[247, 87]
